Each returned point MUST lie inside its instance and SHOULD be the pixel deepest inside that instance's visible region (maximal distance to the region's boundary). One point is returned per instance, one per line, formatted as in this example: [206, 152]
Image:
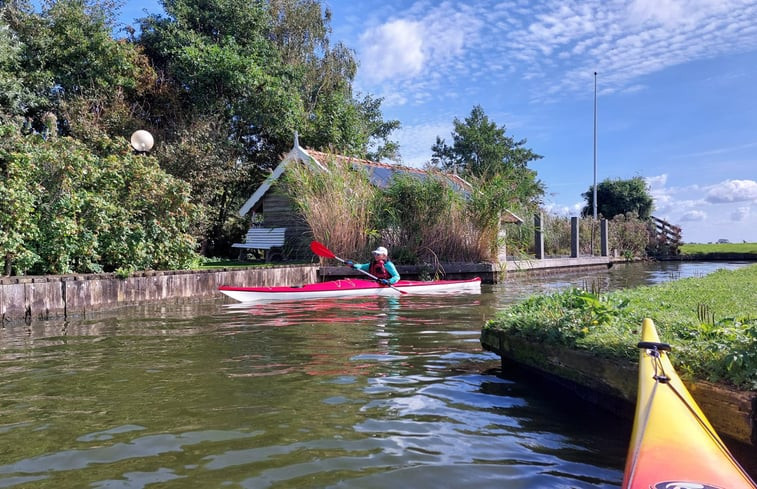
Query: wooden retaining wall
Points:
[45, 297]
[613, 384]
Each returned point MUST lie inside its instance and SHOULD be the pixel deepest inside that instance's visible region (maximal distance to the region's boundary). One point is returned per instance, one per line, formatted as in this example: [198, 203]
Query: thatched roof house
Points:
[270, 208]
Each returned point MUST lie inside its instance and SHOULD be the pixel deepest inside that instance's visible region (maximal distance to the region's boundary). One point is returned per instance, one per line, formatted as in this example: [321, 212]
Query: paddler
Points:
[380, 267]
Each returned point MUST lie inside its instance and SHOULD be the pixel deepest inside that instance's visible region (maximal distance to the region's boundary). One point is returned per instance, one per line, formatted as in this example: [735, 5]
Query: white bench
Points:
[262, 239]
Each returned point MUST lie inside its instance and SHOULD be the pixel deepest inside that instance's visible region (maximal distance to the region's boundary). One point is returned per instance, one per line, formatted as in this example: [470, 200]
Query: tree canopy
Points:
[620, 197]
[481, 150]
[222, 85]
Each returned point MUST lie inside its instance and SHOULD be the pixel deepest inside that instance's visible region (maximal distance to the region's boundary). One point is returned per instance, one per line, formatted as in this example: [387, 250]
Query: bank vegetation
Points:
[711, 323]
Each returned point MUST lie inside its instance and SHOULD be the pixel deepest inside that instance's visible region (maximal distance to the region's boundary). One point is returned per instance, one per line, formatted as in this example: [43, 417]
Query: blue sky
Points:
[676, 91]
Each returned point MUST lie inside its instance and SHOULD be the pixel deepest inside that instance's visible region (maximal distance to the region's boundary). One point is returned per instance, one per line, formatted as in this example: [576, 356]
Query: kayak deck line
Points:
[673, 443]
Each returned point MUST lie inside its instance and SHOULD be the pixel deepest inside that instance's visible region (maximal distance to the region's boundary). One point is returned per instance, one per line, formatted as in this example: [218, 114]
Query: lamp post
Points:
[142, 141]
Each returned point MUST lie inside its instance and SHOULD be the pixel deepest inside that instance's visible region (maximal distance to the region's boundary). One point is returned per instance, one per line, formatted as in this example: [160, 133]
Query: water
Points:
[358, 393]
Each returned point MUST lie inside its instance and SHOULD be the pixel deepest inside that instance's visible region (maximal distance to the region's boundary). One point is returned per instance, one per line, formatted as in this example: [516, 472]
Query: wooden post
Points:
[604, 238]
[538, 236]
[574, 243]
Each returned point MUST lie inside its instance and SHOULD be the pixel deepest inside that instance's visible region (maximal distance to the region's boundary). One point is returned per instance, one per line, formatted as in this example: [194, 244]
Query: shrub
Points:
[71, 210]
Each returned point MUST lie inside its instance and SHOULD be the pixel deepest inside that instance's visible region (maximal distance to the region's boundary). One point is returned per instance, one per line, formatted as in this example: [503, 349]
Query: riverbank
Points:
[587, 342]
[29, 298]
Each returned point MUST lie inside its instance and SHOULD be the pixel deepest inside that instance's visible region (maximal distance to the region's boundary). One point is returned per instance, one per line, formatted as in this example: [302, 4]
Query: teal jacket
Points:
[388, 266]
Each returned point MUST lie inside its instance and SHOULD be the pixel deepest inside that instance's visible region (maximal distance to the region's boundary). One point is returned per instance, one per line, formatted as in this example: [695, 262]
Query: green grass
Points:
[697, 248]
[220, 263]
[711, 322]
[216, 264]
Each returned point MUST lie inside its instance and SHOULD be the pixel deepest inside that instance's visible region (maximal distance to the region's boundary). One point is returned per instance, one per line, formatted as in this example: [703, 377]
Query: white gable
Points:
[297, 153]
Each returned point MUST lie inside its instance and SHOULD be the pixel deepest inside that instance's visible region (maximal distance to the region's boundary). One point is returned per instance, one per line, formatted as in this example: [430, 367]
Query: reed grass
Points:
[420, 220]
[339, 205]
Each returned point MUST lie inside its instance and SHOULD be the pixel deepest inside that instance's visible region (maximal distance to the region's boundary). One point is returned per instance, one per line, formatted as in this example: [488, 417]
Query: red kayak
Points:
[351, 288]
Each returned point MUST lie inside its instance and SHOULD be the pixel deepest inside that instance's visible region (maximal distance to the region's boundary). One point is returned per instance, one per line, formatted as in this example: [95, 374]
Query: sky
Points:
[676, 92]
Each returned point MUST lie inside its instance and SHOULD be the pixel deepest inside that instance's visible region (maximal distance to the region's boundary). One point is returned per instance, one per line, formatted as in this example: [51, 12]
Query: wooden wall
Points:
[279, 212]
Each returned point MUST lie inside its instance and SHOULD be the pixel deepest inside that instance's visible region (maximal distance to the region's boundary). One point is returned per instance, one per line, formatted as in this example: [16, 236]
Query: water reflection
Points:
[287, 313]
[364, 392]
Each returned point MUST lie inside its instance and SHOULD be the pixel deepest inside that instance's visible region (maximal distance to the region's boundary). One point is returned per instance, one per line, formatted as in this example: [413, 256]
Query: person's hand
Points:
[383, 281]
[350, 263]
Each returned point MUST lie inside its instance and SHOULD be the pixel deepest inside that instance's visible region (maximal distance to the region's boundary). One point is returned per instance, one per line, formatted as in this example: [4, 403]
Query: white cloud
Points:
[564, 210]
[393, 49]
[554, 44]
[416, 141]
[730, 191]
[406, 48]
[741, 214]
[656, 181]
[693, 216]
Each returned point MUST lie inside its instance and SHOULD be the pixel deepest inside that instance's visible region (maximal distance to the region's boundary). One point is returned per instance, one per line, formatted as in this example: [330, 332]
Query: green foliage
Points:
[620, 197]
[481, 149]
[339, 205]
[490, 199]
[565, 318]
[18, 193]
[496, 165]
[720, 345]
[628, 235]
[17, 91]
[351, 127]
[222, 85]
[77, 46]
[423, 219]
[71, 210]
[238, 80]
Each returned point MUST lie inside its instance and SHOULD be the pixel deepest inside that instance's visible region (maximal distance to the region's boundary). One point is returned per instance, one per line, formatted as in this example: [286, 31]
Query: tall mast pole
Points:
[595, 146]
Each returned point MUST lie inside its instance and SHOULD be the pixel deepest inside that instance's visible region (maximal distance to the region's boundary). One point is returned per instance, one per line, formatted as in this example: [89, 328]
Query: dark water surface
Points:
[363, 393]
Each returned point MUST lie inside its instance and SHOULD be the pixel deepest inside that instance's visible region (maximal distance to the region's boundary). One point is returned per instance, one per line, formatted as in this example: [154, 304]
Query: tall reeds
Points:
[420, 219]
[339, 205]
[426, 220]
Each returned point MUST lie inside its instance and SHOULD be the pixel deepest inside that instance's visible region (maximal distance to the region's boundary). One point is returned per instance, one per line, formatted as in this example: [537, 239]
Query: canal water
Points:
[356, 393]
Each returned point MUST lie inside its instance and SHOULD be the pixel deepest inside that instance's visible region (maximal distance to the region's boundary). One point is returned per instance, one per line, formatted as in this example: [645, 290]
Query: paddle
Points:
[321, 250]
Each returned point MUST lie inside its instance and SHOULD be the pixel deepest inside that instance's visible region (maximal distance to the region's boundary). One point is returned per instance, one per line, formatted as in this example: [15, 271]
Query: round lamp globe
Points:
[142, 141]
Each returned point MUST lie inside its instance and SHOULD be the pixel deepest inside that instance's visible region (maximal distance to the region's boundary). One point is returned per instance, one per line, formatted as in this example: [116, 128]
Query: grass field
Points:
[697, 248]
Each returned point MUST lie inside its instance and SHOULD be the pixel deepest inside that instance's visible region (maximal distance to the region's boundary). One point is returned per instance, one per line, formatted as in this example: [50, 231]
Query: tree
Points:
[481, 149]
[222, 85]
[239, 80]
[620, 197]
[335, 119]
[18, 90]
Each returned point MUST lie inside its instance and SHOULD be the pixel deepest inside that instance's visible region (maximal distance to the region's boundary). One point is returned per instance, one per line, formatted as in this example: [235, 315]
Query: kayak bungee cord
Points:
[673, 444]
[654, 352]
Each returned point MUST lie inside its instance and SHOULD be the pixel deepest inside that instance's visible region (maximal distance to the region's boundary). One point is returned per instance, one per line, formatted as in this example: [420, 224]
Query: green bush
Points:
[66, 209]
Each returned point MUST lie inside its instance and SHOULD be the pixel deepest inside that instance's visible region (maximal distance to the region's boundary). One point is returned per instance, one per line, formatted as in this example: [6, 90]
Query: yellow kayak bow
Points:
[673, 445]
